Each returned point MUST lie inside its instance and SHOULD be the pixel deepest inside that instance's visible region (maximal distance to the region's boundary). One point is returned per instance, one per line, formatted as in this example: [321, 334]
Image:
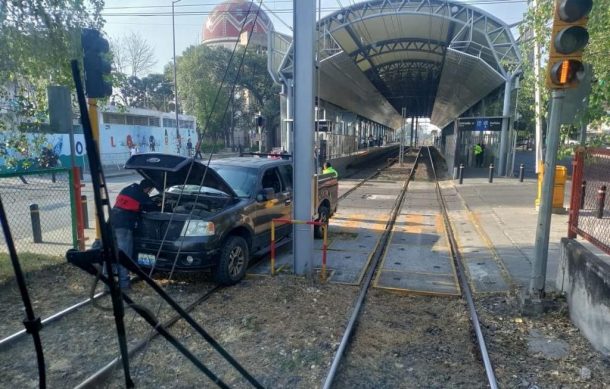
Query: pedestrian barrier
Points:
[309, 222]
[589, 208]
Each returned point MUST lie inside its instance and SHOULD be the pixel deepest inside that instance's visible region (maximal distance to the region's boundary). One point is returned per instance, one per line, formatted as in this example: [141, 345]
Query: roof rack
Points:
[267, 155]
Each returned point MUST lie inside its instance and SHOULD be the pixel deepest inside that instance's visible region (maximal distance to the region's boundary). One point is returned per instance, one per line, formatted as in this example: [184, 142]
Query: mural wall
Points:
[27, 151]
[118, 139]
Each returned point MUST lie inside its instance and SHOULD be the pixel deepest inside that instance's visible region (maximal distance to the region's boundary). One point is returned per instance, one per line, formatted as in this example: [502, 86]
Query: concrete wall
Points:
[585, 279]
[363, 158]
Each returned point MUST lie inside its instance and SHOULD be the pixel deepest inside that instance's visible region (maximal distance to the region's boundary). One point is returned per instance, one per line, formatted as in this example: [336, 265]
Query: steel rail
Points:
[371, 176]
[58, 315]
[467, 293]
[52, 318]
[367, 280]
[100, 375]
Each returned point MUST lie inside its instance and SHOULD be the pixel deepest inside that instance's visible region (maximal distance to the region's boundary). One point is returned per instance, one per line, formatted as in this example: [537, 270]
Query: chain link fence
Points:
[590, 203]
[39, 211]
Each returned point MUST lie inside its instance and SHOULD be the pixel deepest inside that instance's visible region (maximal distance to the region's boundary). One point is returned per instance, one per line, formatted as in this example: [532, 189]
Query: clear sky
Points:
[153, 19]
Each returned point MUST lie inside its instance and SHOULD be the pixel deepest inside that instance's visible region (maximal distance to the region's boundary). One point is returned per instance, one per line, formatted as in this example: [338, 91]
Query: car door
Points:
[286, 175]
[276, 208]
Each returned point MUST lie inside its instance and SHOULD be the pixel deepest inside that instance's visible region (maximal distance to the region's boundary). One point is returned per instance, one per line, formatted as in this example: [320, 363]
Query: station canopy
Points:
[433, 58]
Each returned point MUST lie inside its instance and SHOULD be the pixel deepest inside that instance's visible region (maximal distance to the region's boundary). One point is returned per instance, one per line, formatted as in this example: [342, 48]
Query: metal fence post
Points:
[491, 173]
[578, 194]
[461, 173]
[83, 200]
[601, 199]
[36, 227]
[521, 172]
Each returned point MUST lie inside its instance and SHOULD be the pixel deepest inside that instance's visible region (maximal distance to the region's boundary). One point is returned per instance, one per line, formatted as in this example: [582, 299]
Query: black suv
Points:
[218, 216]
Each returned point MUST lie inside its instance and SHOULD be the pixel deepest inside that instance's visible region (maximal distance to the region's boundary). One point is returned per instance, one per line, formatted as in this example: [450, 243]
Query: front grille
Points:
[156, 229]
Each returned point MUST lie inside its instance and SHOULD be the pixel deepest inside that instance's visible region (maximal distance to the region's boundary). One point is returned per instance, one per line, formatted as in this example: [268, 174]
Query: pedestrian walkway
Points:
[495, 224]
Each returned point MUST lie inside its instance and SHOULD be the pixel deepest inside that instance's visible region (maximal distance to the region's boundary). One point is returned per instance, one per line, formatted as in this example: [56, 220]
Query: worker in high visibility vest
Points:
[328, 169]
[478, 155]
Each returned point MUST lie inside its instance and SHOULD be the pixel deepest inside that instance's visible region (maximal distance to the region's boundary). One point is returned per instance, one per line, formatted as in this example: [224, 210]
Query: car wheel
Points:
[323, 216]
[233, 262]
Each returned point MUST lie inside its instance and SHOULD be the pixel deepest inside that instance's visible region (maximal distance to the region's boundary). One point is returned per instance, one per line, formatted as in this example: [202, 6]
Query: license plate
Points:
[146, 259]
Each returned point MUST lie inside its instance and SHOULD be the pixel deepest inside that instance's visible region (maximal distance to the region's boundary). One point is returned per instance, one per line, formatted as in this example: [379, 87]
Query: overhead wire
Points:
[287, 10]
[197, 196]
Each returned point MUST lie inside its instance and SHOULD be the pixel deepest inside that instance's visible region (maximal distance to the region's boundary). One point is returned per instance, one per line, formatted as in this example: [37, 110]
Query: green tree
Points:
[200, 73]
[538, 20]
[38, 39]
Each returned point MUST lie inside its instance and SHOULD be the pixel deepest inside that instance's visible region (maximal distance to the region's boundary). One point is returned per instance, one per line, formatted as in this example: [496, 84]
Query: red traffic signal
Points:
[570, 11]
[568, 40]
[96, 63]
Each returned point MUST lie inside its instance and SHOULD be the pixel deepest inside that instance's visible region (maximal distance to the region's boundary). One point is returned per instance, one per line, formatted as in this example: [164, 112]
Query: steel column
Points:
[504, 133]
[304, 30]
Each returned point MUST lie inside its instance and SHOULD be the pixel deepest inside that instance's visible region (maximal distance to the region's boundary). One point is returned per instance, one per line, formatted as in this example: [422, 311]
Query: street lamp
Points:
[175, 76]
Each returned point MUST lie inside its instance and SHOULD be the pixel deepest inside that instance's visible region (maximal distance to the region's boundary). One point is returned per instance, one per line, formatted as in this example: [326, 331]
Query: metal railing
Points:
[40, 208]
[589, 204]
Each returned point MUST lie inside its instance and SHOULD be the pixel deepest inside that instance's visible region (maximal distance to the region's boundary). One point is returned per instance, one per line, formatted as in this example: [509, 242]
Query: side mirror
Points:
[265, 195]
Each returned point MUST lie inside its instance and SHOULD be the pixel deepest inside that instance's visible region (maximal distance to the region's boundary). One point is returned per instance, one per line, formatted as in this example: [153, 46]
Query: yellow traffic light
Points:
[568, 40]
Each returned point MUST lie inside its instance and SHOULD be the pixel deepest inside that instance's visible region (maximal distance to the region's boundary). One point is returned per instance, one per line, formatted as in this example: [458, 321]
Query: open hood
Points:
[154, 166]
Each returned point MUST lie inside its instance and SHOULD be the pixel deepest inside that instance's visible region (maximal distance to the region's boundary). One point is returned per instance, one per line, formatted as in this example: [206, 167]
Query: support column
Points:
[288, 135]
[304, 28]
[412, 131]
[504, 133]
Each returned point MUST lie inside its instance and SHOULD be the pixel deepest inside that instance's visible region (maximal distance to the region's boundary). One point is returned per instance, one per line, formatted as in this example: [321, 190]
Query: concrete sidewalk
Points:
[495, 226]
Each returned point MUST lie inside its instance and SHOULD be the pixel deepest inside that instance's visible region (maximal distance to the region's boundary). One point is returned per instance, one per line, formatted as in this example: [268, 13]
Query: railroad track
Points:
[102, 373]
[95, 379]
[348, 336]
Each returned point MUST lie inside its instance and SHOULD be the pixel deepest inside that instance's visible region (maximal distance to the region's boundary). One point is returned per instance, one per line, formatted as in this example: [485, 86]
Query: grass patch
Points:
[29, 262]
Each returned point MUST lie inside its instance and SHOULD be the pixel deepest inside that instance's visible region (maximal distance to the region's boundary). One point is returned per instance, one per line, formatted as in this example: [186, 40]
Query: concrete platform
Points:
[354, 231]
[495, 225]
[417, 258]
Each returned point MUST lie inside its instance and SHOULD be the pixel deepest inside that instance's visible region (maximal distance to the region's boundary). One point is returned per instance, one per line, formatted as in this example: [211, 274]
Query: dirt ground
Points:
[285, 332]
[547, 351]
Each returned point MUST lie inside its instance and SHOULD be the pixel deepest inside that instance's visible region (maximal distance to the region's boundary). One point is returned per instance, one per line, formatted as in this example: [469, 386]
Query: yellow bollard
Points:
[561, 175]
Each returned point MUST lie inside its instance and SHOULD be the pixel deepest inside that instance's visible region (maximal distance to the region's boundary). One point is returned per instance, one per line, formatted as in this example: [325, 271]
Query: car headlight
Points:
[198, 228]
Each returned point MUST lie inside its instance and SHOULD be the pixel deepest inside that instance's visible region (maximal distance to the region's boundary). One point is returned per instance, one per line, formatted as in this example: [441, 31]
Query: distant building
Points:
[234, 21]
[238, 22]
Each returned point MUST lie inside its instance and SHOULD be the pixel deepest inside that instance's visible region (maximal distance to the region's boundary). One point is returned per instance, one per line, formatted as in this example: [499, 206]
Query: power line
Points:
[276, 11]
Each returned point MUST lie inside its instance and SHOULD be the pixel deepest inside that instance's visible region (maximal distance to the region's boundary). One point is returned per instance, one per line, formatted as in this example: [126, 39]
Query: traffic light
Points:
[260, 121]
[96, 61]
[568, 39]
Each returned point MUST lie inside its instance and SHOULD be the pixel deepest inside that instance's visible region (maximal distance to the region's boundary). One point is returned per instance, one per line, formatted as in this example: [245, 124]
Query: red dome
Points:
[226, 22]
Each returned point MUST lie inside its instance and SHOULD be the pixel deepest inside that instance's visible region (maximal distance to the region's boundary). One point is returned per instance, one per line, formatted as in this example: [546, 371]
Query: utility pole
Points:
[175, 70]
[304, 30]
[546, 199]
[565, 70]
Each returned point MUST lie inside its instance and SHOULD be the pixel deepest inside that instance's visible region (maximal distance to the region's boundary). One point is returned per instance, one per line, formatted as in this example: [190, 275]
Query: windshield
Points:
[194, 189]
[241, 180]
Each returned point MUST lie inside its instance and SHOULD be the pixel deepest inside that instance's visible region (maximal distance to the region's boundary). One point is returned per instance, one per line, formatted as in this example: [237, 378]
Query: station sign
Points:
[480, 124]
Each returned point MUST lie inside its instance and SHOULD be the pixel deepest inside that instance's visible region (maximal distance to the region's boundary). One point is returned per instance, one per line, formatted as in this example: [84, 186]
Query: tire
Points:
[233, 263]
[323, 216]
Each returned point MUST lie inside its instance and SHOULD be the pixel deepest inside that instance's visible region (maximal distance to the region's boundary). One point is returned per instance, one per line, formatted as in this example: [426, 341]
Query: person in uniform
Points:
[478, 155]
[328, 169]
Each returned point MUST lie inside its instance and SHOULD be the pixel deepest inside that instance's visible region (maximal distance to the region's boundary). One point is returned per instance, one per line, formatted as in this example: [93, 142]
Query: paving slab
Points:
[504, 216]
[353, 235]
[417, 259]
